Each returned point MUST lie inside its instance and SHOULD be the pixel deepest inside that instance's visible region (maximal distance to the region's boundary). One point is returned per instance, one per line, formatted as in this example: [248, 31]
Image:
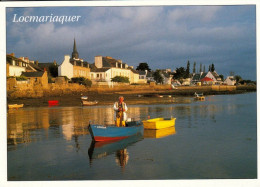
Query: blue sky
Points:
[162, 36]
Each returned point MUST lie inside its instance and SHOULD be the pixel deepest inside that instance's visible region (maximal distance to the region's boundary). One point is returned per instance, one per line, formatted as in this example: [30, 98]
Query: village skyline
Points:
[162, 36]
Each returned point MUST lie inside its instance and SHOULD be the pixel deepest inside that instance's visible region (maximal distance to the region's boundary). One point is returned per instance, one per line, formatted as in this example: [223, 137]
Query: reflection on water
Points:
[73, 121]
[220, 132]
[160, 133]
[122, 157]
[98, 150]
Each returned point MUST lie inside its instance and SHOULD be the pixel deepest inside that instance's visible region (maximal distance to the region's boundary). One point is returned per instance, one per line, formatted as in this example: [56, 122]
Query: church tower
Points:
[75, 54]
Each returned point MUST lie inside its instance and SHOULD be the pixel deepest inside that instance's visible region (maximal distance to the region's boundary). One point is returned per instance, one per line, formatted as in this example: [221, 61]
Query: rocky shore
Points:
[131, 96]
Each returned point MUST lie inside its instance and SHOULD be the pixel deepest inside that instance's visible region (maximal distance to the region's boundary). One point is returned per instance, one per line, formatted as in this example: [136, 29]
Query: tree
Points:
[222, 77]
[212, 69]
[82, 81]
[53, 70]
[158, 77]
[120, 79]
[204, 70]
[143, 66]
[180, 73]
[194, 67]
[188, 69]
[238, 78]
[200, 67]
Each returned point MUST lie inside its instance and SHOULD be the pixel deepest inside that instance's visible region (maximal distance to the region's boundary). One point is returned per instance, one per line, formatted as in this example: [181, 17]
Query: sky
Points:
[162, 36]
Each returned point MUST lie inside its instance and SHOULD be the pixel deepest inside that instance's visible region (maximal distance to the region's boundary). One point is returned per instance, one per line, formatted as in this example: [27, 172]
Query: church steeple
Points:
[75, 54]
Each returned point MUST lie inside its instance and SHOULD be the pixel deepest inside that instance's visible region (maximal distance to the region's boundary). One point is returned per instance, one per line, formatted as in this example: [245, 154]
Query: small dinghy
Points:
[159, 123]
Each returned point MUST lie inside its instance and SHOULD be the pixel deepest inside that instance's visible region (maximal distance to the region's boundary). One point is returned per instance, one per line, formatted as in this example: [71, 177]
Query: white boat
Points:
[84, 97]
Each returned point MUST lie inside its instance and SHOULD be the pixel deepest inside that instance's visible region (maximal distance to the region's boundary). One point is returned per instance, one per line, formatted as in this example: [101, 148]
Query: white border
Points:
[3, 112]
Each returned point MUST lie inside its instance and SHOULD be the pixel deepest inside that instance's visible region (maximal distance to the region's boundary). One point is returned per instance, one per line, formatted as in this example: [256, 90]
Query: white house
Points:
[230, 81]
[66, 68]
[216, 79]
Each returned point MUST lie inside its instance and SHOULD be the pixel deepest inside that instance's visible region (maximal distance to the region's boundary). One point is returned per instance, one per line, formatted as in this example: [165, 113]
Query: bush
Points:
[50, 80]
[82, 81]
[120, 79]
[21, 78]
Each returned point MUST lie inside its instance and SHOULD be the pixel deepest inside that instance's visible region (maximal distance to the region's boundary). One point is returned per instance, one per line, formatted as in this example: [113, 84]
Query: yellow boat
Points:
[159, 123]
[200, 98]
[160, 133]
[15, 106]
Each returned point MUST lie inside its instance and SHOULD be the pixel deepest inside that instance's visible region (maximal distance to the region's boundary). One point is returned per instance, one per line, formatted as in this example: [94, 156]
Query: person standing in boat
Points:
[120, 109]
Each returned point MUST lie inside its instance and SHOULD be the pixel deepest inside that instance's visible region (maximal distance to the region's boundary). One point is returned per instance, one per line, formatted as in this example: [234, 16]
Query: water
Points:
[212, 139]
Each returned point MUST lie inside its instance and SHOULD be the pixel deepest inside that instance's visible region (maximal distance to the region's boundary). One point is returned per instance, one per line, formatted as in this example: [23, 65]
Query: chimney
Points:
[37, 62]
[116, 65]
[26, 59]
[99, 61]
[55, 63]
[12, 54]
[81, 64]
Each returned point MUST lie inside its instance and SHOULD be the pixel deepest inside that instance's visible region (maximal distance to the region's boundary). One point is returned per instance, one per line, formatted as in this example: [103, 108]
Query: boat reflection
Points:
[160, 133]
[99, 150]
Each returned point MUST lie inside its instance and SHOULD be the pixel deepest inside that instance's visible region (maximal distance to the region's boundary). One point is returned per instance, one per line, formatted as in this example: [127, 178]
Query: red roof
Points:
[206, 79]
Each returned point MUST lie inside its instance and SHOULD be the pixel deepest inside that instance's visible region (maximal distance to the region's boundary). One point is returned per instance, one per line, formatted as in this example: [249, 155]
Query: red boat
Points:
[53, 102]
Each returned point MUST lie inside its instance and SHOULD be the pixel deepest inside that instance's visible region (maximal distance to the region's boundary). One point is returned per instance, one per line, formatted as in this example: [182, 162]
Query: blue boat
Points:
[113, 133]
[102, 149]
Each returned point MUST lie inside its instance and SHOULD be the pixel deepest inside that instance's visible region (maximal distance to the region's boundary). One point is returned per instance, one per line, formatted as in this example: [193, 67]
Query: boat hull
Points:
[89, 103]
[159, 123]
[113, 133]
[15, 106]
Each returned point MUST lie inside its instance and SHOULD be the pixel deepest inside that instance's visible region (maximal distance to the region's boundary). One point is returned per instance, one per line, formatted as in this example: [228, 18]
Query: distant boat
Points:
[84, 98]
[199, 97]
[159, 123]
[89, 103]
[15, 106]
[113, 133]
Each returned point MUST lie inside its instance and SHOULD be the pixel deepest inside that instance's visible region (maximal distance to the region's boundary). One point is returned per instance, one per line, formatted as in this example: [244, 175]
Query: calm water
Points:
[216, 138]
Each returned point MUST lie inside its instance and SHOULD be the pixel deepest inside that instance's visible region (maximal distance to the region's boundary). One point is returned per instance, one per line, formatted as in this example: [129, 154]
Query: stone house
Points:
[105, 68]
[39, 77]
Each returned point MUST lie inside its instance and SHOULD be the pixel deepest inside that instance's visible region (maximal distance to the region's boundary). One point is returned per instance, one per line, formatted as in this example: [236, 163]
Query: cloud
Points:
[194, 13]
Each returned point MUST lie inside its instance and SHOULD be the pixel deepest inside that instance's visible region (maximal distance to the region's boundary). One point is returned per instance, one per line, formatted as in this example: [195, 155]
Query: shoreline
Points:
[108, 98]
